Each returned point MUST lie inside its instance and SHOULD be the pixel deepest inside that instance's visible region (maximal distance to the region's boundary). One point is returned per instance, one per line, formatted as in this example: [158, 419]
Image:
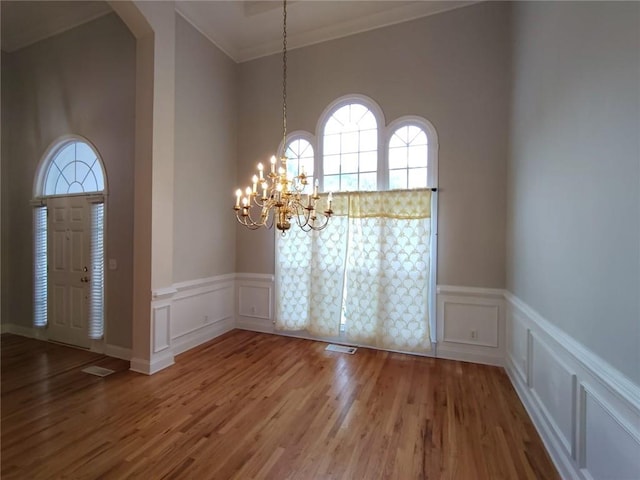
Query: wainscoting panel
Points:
[611, 449]
[587, 412]
[517, 344]
[470, 324]
[201, 310]
[554, 386]
[255, 302]
[161, 325]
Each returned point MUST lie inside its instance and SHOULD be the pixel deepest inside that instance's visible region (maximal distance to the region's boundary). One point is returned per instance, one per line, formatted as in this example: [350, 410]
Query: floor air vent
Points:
[99, 371]
[341, 348]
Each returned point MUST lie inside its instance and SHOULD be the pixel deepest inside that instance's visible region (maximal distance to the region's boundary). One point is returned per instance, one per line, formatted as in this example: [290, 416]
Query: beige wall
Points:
[451, 68]
[7, 109]
[80, 82]
[205, 145]
[574, 196]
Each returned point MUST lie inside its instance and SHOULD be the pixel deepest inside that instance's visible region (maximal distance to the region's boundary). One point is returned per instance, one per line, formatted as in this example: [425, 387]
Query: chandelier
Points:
[278, 196]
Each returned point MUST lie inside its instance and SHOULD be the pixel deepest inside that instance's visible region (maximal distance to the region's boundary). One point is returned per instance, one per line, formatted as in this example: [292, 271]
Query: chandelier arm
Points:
[248, 221]
[242, 221]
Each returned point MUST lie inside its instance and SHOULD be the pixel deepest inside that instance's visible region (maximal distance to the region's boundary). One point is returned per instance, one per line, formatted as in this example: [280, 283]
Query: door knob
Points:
[85, 279]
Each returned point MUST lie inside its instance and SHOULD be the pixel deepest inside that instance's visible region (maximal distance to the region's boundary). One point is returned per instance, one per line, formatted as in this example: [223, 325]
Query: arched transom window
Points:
[73, 168]
[350, 150]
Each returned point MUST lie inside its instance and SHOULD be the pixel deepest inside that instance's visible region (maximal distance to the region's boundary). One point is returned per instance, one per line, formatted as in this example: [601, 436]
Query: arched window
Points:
[300, 158]
[73, 167]
[350, 146]
[411, 154]
[395, 236]
[408, 156]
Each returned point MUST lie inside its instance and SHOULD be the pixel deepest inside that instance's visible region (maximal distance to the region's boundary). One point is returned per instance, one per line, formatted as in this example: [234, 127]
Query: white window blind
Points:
[96, 309]
[40, 266]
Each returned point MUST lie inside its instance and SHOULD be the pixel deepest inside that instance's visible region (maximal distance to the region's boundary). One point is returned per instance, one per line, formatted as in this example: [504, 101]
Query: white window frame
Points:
[337, 104]
[99, 197]
[385, 132]
[432, 144]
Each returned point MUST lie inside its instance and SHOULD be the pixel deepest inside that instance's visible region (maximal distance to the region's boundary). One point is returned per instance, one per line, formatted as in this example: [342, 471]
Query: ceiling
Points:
[242, 29]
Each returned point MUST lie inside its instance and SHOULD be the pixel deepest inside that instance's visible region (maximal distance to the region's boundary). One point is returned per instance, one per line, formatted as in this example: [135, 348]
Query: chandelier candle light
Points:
[281, 196]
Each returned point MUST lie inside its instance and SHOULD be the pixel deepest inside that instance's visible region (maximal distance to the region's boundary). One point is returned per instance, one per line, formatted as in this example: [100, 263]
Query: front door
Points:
[69, 231]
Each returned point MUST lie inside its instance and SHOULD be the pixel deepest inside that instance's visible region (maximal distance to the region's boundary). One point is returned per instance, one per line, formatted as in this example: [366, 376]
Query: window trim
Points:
[385, 132]
[338, 103]
[299, 135]
[50, 153]
[432, 145]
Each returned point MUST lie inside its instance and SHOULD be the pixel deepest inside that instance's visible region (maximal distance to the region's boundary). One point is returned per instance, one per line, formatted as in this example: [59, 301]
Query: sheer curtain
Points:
[370, 267]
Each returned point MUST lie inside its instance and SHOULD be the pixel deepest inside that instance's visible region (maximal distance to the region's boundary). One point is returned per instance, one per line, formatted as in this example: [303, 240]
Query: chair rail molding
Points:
[586, 411]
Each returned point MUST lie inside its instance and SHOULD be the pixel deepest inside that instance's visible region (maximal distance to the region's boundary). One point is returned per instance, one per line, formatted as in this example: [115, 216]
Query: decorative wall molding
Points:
[188, 314]
[160, 324]
[470, 324]
[255, 302]
[587, 412]
[163, 292]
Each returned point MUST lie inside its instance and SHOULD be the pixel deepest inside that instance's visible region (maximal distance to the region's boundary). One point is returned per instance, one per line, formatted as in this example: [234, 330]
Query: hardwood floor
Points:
[250, 405]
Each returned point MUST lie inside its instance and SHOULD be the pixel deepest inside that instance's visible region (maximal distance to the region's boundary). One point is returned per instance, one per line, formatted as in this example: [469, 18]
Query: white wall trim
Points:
[557, 377]
[260, 277]
[163, 292]
[470, 324]
[551, 442]
[116, 351]
[255, 301]
[187, 314]
[29, 332]
[158, 362]
[202, 282]
[496, 293]
[197, 337]
[613, 379]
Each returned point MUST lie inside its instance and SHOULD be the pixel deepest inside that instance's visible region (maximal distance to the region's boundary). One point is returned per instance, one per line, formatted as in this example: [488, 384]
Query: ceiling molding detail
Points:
[250, 30]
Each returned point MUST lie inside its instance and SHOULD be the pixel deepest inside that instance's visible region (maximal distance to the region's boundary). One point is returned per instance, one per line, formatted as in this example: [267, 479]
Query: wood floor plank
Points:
[255, 406]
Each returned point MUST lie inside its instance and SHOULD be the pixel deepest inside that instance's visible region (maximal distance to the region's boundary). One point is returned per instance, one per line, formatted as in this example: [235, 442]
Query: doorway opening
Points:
[69, 238]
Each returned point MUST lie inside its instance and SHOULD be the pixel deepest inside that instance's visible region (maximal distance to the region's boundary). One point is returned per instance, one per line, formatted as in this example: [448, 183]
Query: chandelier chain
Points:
[284, 73]
[282, 198]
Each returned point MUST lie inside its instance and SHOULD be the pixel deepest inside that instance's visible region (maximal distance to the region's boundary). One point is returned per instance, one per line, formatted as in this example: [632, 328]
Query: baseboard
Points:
[117, 352]
[41, 334]
[468, 355]
[202, 335]
[159, 362]
[586, 411]
[21, 330]
[255, 324]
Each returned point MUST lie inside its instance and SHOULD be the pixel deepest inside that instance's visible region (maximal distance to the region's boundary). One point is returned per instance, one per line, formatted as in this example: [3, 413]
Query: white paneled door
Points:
[69, 227]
